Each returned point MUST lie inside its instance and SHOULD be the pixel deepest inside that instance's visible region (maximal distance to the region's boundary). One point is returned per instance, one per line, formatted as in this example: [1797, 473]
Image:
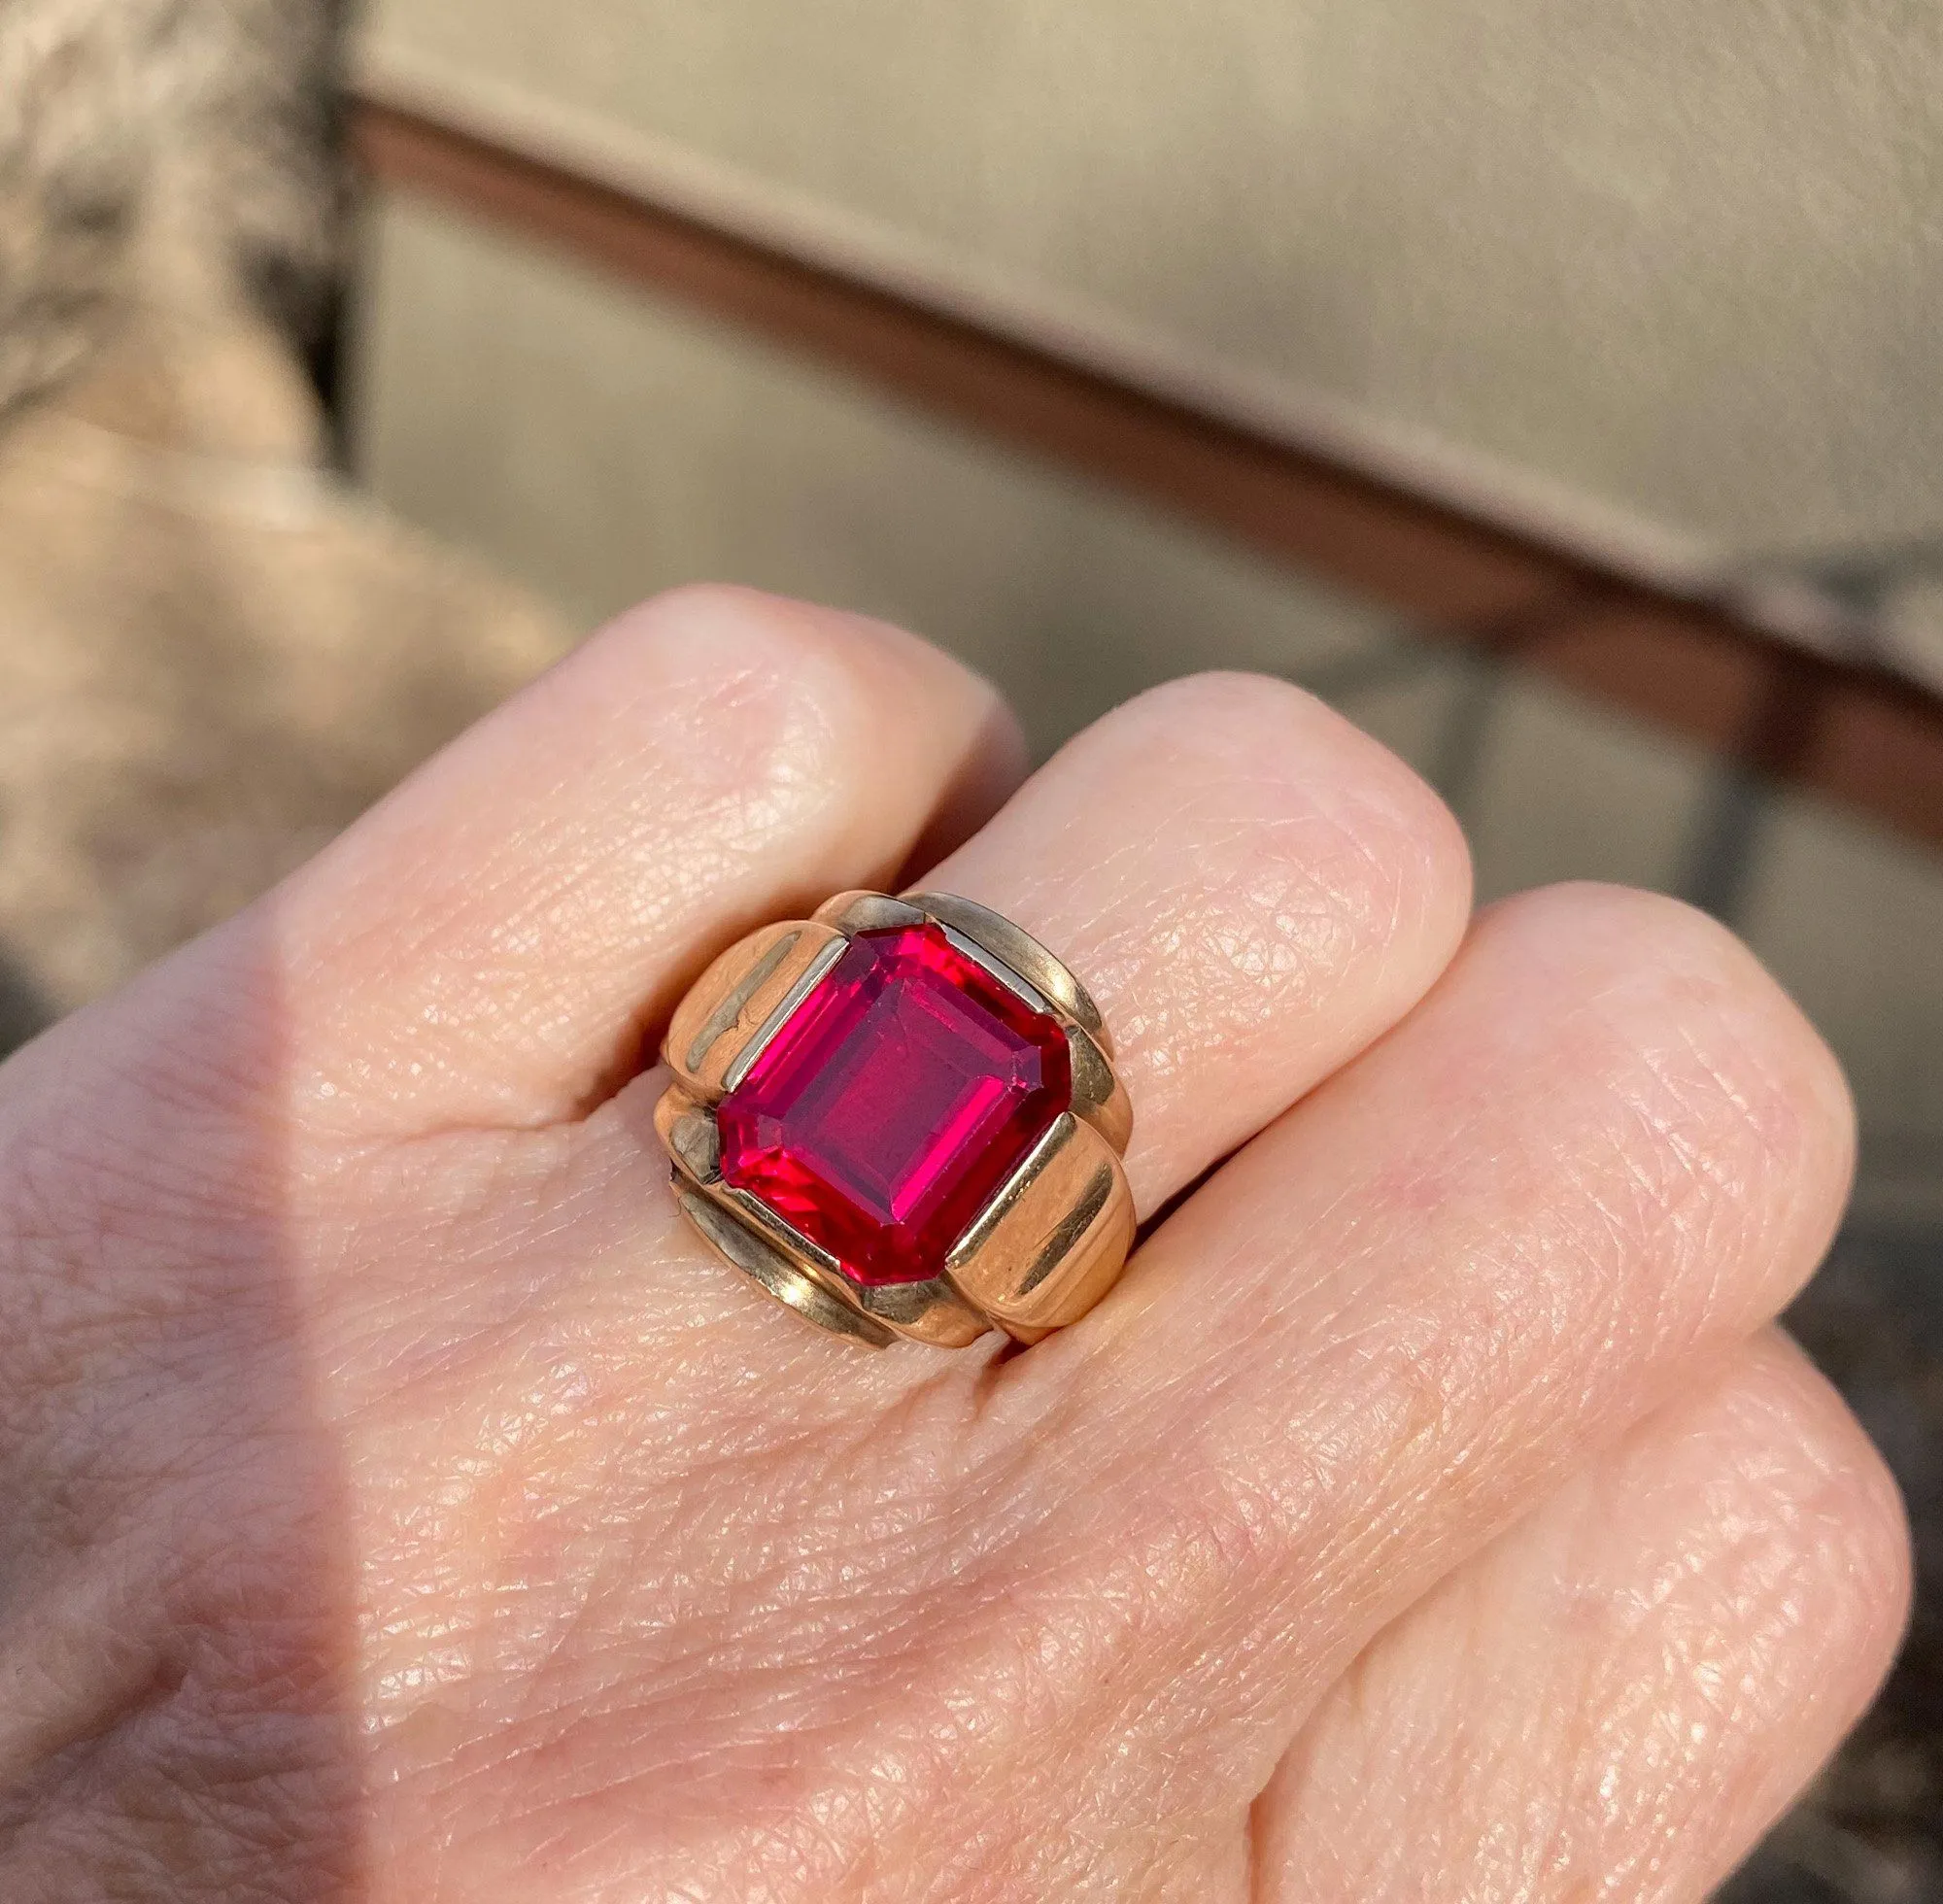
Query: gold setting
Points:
[1049, 1243]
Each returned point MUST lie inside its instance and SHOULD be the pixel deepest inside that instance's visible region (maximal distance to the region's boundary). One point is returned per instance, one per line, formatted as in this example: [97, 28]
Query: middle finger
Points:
[1252, 889]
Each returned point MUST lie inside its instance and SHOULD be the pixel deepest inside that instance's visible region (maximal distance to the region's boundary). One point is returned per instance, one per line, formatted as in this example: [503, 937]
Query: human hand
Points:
[402, 1504]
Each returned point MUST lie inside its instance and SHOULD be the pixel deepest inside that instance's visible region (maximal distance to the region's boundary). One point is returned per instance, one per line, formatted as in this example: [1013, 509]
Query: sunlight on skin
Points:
[403, 1507]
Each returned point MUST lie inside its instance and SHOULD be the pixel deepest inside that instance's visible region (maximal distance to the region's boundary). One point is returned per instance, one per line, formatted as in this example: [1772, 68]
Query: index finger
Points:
[488, 945]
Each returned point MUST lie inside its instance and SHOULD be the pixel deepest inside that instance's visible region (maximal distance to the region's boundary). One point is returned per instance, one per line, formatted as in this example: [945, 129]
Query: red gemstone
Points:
[903, 1092]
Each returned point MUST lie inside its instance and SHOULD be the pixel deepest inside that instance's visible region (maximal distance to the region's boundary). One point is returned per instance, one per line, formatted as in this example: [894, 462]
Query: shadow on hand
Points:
[24, 1012]
[176, 1601]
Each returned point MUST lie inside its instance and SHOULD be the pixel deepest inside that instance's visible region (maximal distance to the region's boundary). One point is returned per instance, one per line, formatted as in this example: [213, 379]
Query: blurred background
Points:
[1553, 388]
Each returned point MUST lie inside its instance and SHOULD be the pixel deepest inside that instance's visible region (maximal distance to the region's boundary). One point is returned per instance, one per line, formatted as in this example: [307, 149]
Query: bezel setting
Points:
[1039, 1249]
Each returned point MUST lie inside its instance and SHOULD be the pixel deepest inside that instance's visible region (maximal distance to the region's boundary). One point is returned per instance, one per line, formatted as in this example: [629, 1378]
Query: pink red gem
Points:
[900, 1096]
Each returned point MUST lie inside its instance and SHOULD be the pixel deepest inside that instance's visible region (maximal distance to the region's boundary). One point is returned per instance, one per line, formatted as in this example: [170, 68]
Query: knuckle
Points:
[1783, 1538]
[1843, 1578]
[1730, 1110]
[1297, 854]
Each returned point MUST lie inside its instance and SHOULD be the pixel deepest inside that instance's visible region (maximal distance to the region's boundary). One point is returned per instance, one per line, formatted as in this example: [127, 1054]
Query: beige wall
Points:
[602, 445]
[1666, 272]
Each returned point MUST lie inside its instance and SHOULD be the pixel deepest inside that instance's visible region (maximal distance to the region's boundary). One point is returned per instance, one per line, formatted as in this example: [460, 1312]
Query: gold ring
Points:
[901, 1118]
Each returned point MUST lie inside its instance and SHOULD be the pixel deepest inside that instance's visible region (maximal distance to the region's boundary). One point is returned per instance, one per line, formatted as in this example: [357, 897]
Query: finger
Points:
[1251, 889]
[1617, 1697]
[485, 947]
[1602, 1151]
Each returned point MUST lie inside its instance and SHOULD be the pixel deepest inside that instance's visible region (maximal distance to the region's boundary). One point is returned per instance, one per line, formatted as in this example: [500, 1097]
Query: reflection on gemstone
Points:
[901, 1095]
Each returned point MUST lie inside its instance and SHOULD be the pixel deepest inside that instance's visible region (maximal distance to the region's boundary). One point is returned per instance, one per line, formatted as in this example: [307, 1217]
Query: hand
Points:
[402, 1504]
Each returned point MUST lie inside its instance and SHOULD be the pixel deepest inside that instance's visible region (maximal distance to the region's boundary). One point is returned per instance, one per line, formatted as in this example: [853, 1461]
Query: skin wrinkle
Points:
[1728, 1504]
[735, 750]
[1008, 1679]
[1195, 911]
[662, 1594]
[1321, 1381]
[549, 1177]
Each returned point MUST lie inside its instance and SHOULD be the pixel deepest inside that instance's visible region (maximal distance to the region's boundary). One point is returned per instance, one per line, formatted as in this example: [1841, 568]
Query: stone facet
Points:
[900, 1096]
